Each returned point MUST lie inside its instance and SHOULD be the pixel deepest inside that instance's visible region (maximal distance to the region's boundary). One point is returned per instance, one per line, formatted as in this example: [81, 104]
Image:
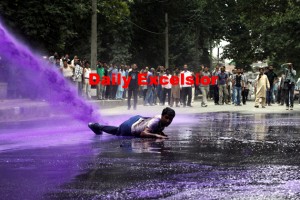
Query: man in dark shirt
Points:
[271, 77]
[223, 85]
[139, 126]
[133, 86]
[238, 84]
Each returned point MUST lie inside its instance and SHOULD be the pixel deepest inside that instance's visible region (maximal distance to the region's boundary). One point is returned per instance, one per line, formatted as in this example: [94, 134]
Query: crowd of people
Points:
[232, 87]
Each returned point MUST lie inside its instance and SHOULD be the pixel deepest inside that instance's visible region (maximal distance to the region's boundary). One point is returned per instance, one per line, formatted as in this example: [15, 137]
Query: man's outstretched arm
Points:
[146, 134]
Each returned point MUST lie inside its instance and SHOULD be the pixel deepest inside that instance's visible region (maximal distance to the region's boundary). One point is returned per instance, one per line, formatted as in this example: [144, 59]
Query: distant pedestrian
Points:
[100, 87]
[238, 84]
[289, 85]
[120, 89]
[272, 77]
[150, 88]
[133, 87]
[167, 88]
[186, 89]
[67, 70]
[280, 99]
[78, 76]
[262, 85]
[216, 85]
[223, 86]
[298, 88]
[86, 85]
[175, 90]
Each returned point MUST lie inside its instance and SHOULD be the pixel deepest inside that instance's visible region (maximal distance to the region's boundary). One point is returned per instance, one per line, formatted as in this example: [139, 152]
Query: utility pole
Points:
[218, 54]
[167, 42]
[211, 53]
[94, 35]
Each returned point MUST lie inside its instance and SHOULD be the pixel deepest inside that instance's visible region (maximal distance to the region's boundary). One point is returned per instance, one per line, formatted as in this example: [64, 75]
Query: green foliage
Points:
[59, 25]
[133, 30]
[263, 29]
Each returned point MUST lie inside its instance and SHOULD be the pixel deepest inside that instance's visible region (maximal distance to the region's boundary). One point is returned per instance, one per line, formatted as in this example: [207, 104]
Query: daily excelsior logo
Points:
[94, 79]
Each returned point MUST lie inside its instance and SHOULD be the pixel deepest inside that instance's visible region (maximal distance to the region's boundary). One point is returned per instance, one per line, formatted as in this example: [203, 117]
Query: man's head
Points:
[271, 68]
[167, 116]
[223, 69]
[167, 71]
[185, 67]
[206, 68]
[87, 64]
[134, 67]
[266, 68]
[65, 62]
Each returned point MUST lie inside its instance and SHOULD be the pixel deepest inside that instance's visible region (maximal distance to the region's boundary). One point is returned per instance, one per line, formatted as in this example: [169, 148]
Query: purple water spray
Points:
[44, 80]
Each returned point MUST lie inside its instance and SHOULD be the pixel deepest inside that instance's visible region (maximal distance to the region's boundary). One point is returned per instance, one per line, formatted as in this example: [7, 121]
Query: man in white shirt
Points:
[167, 88]
[186, 89]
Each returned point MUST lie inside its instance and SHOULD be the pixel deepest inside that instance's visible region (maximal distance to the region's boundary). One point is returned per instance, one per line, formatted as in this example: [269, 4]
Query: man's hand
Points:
[162, 133]
[161, 136]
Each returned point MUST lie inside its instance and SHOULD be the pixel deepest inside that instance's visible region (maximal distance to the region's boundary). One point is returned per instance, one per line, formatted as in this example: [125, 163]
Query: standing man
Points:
[205, 87]
[175, 90]
[78, 76]
[186, 88]
[280, 99]
[133, 86]
[150, 88]
[238, 85]
[244, 89]
[216, 86]
[298, 88]
[272, 77]
[100, 87]
[262, 85]
[231, 87]
[167, 88]
[223, 84]
[289, 85]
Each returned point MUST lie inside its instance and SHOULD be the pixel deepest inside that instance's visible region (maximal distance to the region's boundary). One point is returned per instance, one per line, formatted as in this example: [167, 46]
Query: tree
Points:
[59, 25]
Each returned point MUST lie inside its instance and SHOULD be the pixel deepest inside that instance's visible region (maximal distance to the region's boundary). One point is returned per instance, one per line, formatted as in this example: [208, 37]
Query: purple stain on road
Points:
[42, 81]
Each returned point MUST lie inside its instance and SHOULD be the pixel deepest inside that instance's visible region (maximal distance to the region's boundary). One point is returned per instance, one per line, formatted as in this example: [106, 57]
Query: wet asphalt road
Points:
[209, 156]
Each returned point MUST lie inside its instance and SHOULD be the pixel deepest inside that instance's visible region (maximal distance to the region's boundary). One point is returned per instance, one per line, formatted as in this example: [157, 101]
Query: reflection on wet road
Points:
[215, 156]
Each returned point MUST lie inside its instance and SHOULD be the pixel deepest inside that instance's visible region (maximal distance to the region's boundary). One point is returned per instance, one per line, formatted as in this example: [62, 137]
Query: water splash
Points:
[39, 78]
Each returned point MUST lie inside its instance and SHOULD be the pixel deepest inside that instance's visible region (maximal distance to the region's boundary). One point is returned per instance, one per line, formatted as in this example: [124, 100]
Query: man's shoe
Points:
[256, 106]
[291, 108]
[287, 108]
[190, 106]
[96, 128]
